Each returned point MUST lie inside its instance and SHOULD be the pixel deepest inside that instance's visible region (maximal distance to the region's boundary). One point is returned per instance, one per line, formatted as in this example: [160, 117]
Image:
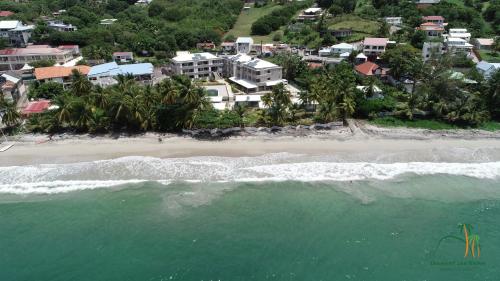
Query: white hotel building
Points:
[196, 65]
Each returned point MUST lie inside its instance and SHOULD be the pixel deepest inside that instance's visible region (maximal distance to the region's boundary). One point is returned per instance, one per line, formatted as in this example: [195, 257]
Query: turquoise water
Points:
[361, 230]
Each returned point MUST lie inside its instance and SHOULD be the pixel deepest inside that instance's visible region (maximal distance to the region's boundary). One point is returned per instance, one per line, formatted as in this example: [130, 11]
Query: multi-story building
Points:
[432, 50]
[458, 45]
[15, 32]
[252, 75]
[460, 33]
[16, 58]
[374, 46]
[196, 65]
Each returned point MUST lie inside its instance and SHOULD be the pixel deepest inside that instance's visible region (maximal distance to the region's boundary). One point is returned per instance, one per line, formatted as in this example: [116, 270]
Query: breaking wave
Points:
[60, 178]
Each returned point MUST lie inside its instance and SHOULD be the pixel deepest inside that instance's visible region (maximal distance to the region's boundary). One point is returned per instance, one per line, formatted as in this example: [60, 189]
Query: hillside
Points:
[159, 28]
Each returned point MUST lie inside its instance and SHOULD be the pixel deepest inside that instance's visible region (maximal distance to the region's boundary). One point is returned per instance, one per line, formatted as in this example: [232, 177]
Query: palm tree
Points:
[278, 104]
[10, 116]
[99, 97]
[64, 110]
[240, 109]
[345, 103]
[168, 91]
[80, 85]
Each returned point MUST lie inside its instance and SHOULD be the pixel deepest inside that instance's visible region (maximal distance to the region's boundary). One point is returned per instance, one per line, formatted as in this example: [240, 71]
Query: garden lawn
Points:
[361, 27]
[243, 26]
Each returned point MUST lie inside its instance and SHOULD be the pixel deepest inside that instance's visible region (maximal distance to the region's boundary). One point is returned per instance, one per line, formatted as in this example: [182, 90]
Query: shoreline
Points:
[358, 142]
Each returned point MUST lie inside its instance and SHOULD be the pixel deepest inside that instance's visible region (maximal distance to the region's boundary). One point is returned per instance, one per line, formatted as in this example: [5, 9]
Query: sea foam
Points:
[60, 178]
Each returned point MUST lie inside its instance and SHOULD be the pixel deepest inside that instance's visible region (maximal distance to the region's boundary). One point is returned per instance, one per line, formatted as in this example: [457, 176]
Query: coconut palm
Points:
[345, 103]
[168, 91]
[10, 115]
[80, 85]
[278, 104]
[64, 110]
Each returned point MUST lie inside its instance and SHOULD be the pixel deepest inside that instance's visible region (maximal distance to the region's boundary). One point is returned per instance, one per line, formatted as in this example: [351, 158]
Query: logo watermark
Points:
[467, 237]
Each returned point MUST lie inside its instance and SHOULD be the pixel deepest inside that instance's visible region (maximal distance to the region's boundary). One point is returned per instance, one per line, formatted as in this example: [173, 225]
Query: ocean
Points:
[272, 217]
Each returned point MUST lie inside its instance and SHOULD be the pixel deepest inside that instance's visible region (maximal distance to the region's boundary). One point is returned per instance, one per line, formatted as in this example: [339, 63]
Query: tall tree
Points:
[278, 104]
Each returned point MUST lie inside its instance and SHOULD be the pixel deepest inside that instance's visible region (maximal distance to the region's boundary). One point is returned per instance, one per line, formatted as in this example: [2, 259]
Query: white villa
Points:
[310, 14]
[252, 75]
[394, 21]
[244, 45]
[458, 45]
[337, 49]
[196, 65]
[342, 48]
[374, 46]
[461, 33]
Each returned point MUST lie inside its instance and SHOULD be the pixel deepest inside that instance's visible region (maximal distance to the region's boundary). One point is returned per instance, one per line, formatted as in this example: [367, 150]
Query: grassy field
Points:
[361, 27]
[429, 124]
[487, 56]
[243, 25]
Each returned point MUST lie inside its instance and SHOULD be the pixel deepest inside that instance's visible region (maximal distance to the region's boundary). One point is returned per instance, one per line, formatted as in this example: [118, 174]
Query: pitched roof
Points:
[36, 107]
[6, 13]
[375, 41]
[59, 71]
[343, 46]
[367, 68]
[485, 41]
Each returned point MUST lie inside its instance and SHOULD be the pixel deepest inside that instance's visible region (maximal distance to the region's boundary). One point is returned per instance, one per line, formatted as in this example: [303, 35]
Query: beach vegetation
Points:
[8, 112]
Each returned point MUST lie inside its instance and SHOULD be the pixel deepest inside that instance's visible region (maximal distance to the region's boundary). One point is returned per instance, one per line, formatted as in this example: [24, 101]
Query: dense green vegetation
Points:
[277, 18]
[158, 29]
[243, 26]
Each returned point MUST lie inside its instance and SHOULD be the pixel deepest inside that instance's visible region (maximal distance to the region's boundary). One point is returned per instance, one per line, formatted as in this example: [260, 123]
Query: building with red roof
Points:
[434, 19]
[59, 74]
[5, 14]
[370, 69]
[16, 58]
[35, 107]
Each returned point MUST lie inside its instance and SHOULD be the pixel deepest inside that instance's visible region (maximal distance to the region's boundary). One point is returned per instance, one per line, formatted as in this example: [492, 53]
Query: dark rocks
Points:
[275, 129]
[299, 130]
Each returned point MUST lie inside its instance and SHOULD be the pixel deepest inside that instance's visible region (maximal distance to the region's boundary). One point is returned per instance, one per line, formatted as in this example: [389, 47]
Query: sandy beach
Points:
[360, 142]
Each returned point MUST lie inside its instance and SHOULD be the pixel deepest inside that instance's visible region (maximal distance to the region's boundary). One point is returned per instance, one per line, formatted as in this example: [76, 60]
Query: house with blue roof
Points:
[105, 74]
[487, 69]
